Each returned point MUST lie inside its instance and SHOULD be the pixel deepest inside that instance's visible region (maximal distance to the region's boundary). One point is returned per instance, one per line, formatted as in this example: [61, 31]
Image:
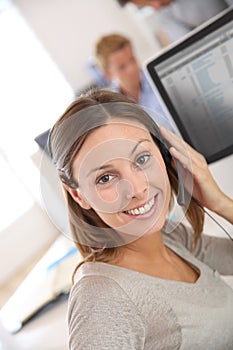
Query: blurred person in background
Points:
[117, 61]
[178, 17]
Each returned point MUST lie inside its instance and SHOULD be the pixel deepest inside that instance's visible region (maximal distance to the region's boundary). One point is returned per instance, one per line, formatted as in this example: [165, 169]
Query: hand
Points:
[205, 190]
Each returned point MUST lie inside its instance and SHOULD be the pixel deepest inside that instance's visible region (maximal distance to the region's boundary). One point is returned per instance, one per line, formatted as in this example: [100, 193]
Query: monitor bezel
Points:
[209, 27]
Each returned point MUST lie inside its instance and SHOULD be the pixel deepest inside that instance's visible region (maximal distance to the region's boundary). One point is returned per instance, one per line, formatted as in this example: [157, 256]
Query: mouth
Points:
[145, 209]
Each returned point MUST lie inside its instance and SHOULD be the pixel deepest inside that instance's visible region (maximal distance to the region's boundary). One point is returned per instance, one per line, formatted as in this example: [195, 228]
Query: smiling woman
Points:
[137, 284]
[133, 178]
[118, 122]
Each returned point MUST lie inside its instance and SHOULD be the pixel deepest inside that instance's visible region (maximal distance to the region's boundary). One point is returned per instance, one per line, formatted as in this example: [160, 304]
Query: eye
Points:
[143, 159]
[104, 179]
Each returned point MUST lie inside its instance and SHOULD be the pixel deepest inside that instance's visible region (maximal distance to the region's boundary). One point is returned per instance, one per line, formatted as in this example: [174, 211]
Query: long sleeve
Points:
[102, 316]
[216, 252]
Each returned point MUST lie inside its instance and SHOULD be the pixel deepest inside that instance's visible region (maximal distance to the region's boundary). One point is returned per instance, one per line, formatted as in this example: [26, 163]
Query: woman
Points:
[139, 287]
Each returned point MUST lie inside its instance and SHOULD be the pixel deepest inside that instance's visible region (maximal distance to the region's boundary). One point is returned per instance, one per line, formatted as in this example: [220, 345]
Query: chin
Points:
[156, 227]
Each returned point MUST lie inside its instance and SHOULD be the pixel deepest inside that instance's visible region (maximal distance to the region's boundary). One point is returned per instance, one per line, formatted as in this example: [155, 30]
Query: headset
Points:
[164, 148]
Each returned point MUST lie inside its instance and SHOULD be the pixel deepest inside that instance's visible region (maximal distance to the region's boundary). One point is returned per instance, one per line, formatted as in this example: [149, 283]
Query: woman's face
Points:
[122, 176]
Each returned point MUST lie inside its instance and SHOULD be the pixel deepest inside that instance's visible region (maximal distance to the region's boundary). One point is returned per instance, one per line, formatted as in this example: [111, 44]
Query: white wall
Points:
[33, 94]
[22, 241]
[70, 28]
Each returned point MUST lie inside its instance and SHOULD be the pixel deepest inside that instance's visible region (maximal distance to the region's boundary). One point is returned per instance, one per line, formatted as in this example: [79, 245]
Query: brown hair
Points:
[108, 45]
[85, 223]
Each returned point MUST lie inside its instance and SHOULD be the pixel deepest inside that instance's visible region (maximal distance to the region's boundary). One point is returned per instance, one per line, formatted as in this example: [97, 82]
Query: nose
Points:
[138, 183]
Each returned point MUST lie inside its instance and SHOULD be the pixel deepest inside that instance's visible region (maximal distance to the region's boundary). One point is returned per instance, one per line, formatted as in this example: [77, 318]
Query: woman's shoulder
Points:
[94, 278]
[101, 314]
[96, 290]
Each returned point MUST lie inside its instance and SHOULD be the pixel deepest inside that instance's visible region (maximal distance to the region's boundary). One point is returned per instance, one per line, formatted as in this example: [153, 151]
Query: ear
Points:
[77, 196]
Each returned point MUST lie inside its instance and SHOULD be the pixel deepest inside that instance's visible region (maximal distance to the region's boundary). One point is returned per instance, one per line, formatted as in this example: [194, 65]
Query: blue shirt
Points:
[149, 101]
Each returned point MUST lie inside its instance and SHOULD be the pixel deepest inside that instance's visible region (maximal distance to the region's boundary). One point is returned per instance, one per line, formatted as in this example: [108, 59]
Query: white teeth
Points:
[142, 210]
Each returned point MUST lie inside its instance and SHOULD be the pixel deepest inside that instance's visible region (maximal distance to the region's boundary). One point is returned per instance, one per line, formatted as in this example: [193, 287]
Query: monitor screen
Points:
[195, 81]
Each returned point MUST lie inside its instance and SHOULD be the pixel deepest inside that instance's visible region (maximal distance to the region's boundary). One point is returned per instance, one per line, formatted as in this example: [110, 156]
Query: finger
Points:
[180, 145]
[184, 159]
[173, 139]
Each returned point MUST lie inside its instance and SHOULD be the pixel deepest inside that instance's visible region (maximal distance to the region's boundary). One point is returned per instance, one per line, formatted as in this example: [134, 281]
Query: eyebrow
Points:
[136, 146]
[100, 168]
[107, 166]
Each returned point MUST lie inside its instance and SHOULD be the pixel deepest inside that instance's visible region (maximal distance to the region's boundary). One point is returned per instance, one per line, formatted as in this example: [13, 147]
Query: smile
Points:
[141, 210]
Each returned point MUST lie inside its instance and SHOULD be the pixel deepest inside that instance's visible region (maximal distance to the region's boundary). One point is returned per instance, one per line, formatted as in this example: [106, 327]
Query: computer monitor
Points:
[194, 79]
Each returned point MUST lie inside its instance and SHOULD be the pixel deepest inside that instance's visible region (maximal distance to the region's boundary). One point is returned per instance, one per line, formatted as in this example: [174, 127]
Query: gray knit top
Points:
[115, 308]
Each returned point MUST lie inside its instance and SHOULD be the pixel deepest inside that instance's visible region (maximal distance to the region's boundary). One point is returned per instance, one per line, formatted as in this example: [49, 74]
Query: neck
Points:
[149, 249]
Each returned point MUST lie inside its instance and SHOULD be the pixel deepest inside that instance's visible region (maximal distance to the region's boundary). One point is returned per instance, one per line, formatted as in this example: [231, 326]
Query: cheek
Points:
[156, 174]
[109, 219]
[166, 187]
[158, 181]
[108, 195]
[101, 199]
[112, 199]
